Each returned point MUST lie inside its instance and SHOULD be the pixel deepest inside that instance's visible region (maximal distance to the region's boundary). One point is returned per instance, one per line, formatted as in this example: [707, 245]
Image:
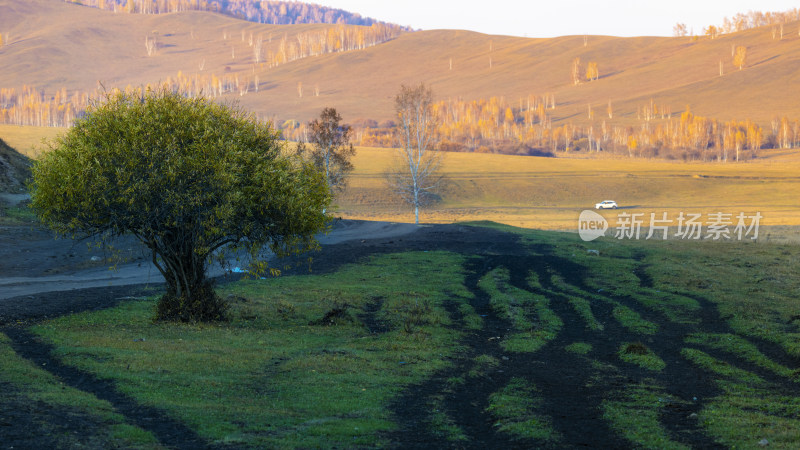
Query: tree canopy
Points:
[331, 148]
[190, 179]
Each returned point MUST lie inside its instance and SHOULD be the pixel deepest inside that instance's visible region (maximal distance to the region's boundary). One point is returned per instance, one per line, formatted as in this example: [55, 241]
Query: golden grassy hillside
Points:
[52, 44]
[28, 140]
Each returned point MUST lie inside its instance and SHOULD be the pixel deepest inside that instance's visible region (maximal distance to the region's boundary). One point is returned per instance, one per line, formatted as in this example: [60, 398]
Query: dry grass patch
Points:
[550, 193]
[28, 140]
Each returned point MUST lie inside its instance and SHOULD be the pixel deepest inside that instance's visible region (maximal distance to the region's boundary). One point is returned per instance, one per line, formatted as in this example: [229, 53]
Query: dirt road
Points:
[33, 262]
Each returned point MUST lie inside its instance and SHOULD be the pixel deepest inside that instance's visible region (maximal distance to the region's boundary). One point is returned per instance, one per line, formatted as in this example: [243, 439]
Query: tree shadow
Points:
[167, 430]
[572, 387]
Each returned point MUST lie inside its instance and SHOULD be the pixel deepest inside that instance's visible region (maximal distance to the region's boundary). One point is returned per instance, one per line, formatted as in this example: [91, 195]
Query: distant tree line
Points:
[745, 21]
[335, 39]
[483, 126]
[31, 106]
[271, 12]
[525, 128]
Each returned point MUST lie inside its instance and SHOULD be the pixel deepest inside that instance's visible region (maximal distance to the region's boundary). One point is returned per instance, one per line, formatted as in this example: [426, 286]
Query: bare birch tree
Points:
[576, 71]
[151, 45]
[416, 177]
[257, 48]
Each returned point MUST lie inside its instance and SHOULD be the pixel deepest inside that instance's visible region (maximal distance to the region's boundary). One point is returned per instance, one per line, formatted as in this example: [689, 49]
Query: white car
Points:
[606, 204]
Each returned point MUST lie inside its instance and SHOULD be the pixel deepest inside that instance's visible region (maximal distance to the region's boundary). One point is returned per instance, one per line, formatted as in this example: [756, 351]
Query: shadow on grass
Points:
[449, 410]
[35, 424]
[571, 387]
[167, 430]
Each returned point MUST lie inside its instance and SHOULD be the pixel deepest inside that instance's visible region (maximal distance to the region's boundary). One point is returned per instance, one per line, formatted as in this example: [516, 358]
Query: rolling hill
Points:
[50, 45]
[14, 170]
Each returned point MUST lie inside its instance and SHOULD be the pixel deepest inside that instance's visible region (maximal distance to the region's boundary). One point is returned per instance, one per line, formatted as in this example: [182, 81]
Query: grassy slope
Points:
[14, 169]
[28, 140]
[49, 39]
[270, 378]
[313, 385]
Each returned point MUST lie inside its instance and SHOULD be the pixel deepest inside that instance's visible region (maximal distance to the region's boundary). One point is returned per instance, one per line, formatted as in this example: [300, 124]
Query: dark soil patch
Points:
[332, 316]
[26, 423]
[571, 400]
[645, 280]
[690, 386]
[466, 402]
[635, 348]
[33, 308]
[369, 317]
[30, 251]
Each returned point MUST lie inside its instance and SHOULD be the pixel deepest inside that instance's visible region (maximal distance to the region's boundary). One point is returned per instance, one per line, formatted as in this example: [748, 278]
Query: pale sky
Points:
[536, 18]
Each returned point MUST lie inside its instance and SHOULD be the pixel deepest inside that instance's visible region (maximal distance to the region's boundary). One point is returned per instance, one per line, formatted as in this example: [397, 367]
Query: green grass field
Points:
[319, 360]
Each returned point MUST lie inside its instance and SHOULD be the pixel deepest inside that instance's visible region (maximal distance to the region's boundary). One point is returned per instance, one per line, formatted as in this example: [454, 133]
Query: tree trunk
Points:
[190, 296]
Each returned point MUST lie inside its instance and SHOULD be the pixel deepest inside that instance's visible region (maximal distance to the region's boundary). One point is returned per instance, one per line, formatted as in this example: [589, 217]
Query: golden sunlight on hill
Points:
[693, 98]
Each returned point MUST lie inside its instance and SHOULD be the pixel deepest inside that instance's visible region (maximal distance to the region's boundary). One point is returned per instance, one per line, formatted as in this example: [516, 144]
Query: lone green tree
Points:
[416, 177]
[331, 149]
[191, 179]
